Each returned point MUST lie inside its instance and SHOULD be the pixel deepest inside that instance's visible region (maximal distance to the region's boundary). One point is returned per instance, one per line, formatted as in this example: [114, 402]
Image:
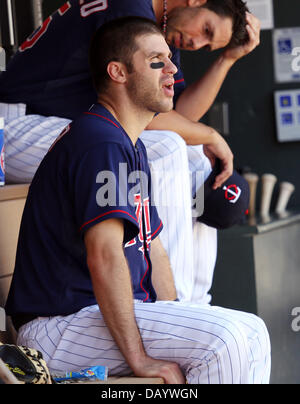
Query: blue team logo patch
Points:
[286, 101]
[287, 119]
[285, 46]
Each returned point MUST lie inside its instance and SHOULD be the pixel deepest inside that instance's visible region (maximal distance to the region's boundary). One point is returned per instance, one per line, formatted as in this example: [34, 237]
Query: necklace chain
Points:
[165, 17]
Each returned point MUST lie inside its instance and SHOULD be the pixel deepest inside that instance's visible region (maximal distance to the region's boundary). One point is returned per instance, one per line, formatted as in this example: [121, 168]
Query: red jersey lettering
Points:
[140, 209]
[93, 7]
[31, 41]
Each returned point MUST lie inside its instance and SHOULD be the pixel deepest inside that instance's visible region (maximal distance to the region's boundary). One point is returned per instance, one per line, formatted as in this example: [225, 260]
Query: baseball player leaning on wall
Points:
[47, 84]
[92, 283]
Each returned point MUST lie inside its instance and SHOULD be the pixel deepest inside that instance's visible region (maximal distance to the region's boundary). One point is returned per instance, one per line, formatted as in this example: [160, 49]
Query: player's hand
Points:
[169, 371]
[254, 28]
[218, 148]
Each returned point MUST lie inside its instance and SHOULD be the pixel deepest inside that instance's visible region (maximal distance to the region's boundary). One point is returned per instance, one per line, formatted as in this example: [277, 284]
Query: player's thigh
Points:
[74, 342]
[210, 344]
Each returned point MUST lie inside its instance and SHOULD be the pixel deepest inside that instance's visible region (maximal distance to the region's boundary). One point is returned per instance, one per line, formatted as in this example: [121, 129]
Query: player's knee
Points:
[246, 342]
[261, 334]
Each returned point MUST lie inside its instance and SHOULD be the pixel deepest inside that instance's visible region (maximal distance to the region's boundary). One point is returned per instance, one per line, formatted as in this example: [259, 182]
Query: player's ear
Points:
[196, 3]
[117, 72]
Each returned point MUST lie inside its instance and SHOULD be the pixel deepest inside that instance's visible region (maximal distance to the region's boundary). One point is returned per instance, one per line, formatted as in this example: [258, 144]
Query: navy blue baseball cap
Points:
[228, 205]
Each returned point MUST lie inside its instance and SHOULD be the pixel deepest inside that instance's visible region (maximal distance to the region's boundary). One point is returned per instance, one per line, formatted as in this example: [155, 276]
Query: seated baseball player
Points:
[92, 283]
[47, 84]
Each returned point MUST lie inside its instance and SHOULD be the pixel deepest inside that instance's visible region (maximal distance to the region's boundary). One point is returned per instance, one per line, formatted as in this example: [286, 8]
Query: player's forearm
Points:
[193, 133]
[113, 291]
[197, 98]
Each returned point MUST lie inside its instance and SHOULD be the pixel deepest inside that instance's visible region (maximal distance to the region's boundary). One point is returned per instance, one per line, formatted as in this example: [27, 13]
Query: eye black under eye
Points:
[158, 65]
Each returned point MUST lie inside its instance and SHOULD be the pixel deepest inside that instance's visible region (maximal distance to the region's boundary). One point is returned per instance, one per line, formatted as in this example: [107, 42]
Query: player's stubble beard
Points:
[147, 97]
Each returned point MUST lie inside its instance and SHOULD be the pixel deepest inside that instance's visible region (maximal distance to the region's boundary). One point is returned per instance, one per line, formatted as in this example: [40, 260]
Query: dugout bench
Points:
[12, 202]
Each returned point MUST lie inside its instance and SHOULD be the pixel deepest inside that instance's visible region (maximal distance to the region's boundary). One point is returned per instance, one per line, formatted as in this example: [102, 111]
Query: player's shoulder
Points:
[99, 125]
[142, 8]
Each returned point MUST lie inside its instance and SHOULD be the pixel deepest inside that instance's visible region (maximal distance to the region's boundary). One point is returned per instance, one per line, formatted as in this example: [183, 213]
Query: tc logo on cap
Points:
[226, 206]
[232, 193]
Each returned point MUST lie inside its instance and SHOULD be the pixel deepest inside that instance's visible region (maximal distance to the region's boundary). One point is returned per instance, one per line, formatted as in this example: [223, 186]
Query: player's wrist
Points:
[214, 137]
[229, 58]
[136, 357]
[138, 363]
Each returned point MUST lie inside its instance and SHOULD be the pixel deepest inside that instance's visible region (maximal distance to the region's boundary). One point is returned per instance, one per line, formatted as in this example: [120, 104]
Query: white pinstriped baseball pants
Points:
[212, 345]
[191, 247]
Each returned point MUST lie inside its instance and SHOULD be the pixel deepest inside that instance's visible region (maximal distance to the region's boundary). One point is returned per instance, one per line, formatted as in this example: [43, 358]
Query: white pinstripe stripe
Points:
[256, 330]
[12, 111]
[212, 346]
[197, 271]
[198, 162]
[205, 257]
[27, 140]
[169, 161]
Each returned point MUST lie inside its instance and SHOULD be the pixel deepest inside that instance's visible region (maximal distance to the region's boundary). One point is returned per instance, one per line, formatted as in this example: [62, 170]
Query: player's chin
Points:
[166, 106]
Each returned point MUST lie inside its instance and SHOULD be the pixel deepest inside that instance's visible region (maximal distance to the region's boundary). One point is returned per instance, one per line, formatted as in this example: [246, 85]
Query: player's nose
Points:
[198, 42]
[170, 68]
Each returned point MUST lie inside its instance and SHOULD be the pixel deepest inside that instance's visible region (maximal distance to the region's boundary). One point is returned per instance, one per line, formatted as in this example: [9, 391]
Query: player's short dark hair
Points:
[236, 10]
[116, 41]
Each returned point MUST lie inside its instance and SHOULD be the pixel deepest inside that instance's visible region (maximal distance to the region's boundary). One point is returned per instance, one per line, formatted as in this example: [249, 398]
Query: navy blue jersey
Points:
[50, 72]
[92, 173]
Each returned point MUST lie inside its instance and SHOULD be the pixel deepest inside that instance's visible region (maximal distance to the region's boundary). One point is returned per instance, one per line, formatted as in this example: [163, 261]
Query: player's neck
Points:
[133, 119]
